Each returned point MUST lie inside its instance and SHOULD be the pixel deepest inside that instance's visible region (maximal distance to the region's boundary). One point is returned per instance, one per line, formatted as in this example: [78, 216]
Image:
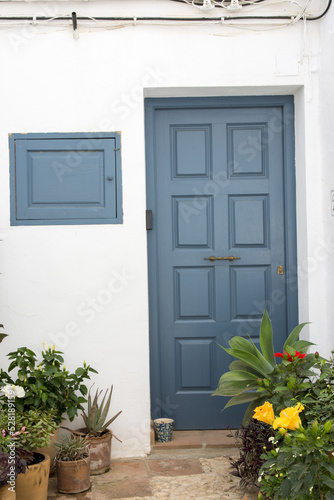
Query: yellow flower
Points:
[289, 418]
[265, 413]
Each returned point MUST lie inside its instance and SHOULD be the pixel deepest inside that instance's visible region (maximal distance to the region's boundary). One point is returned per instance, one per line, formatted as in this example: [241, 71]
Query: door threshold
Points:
[206, 439]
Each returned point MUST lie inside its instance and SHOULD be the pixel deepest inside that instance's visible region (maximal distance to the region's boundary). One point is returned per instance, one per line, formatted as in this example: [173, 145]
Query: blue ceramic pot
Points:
[163, 428]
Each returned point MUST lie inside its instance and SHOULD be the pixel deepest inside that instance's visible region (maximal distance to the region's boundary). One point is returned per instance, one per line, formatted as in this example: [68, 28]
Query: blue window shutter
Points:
[65, 179]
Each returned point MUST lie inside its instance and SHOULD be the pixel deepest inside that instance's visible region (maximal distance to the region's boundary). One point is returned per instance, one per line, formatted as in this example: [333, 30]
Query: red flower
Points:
[287, 356]
[283, 356]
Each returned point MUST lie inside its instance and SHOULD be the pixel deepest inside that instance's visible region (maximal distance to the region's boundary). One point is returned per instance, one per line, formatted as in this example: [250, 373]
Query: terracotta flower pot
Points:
[6, 494]
[73, 477]
[33, 484]
[100, 451]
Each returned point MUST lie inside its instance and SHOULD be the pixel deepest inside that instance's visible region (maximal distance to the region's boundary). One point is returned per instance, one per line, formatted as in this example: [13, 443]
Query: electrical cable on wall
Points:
[237, 5]
[233, 15]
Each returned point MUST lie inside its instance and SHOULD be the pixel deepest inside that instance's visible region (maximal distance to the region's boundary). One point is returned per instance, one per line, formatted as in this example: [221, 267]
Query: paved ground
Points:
[173, 475]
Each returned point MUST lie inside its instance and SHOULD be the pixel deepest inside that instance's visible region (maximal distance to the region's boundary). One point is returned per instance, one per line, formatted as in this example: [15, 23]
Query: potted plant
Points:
[13, 461]
[97, 432]
[47, 383]
[39, 426]
[72, 465]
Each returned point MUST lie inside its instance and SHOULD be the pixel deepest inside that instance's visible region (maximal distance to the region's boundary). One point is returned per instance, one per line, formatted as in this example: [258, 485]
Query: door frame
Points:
[160, 408]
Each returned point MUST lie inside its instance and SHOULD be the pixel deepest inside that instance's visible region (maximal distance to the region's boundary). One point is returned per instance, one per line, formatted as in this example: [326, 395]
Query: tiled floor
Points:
[194, 465]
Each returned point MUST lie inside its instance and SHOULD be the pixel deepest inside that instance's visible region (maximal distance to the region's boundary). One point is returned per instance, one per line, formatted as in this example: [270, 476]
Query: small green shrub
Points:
[299, 466]
[39, 427]
[71, 449]
[46, 382]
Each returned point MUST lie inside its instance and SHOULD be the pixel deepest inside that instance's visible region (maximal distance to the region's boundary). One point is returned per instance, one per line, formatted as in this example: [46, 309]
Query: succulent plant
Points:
[71, 449]
[95, 418]
[13, 465]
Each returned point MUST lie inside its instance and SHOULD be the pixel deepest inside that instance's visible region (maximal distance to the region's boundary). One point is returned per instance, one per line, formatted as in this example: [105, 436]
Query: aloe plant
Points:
[95, 418]
[253, 367]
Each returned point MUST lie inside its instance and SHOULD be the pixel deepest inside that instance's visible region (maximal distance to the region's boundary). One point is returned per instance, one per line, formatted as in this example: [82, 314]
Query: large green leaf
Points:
[302, 344]
[232, 388]
[266, 339]
[262, 366]
[242, 344]
[237, 375]
[245, 397]
[240, 365]
[293, 337]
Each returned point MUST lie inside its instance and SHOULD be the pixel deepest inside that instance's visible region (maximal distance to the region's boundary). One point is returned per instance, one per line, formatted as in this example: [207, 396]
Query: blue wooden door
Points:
[218, 180]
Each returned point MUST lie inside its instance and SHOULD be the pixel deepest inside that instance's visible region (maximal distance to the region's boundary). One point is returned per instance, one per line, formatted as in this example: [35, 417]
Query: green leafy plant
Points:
[95, 418]
[299, 467]
[2, 335]
[47, 383]
[39, 426]
[308, 380]
[255, 368]
[254, 439]
[71, 449]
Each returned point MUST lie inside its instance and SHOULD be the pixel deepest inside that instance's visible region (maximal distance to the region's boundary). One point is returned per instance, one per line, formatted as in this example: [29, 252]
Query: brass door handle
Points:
[212, 258]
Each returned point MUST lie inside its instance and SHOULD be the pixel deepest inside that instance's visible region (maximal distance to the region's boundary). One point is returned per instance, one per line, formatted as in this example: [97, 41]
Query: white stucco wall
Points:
[54, 276]
[326, 131]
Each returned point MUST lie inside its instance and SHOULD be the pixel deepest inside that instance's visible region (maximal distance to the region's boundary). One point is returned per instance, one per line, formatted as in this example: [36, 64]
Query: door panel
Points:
[219, 187]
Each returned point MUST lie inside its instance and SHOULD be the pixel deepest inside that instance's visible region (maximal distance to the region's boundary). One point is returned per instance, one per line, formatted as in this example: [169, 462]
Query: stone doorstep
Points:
[198, 439]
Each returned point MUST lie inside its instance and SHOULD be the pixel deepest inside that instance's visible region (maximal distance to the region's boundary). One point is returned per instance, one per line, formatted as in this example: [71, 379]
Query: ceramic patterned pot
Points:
[163, 428]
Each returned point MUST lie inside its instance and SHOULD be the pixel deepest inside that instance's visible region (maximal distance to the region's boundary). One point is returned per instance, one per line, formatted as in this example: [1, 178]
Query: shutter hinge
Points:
[149, 220]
